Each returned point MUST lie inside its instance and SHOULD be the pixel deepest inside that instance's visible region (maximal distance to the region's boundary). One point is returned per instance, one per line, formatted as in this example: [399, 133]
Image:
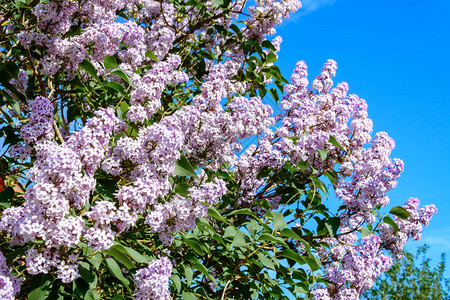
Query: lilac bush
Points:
[152, 166]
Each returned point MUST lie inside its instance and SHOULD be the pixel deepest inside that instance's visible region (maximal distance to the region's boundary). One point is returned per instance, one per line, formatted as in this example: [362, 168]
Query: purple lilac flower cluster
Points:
[180, 214]
[63, 176]
[161, 36]
[20, 83]
[214, 134]
[145, 97]
[265, 15]
[410, 228]
[153, 282]
[9, 285]
[39, 121]
[309, 117]
[354, 270]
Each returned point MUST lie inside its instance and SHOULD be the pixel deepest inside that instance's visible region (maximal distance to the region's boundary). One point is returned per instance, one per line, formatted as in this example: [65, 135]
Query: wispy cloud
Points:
[308, 6]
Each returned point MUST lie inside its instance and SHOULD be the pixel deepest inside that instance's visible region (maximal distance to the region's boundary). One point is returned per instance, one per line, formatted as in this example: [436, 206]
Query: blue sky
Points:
[396, 55]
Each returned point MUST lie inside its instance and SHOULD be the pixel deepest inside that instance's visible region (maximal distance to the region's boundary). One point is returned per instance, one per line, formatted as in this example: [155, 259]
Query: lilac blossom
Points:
[409, 228]
[9, 285]
[40, 121]
[145, 98]
[181, 212]
[351, 274]
[153, 281]
[20, 83]
[265, 15]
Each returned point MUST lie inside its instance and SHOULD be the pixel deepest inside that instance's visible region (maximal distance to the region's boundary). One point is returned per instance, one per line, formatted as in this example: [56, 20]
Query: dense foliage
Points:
[412, 278]
[125, 122]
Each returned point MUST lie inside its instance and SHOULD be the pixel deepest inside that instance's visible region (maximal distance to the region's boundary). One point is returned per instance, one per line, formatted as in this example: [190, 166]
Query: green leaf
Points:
[242, 211]
[400, 212]
[116, 271]
[267, 44]
[121, 257]
[278, 221]
[116, 86]
[253, 228]
[121, 74]
[149, 54]
[11, 255]
[183, 167]
[265, 261]
[92, 295]
[176, 281]
[90, 69]
[189, 275]
[122, 109]
[332, 140]
[73, 113]
[194, 244]
[110, 62]
[213, 212]
[16, 106]
[230, 231]
[332, 225]
[288, 232]
[365, 232]
[194, 3]
[86, 274]
[273, 92]
[139, 258]
[303, 165]
[8, 71]
[41, 286]
[188, 296]
[218, 238]
[323, 154]
[271, 238]
[223, 175]
[302, 290]
[271, 57]
[288, 253]
[239, 240]
[6, 196]
[199, 266]
[95, 260]
[388, 220]
[106, 187]
[317, 183]
[182, 189]
[216, 3]
[204, 225]
[299, 274]
[19, 3]
[16, 93]
[313, 263]
[236, 30]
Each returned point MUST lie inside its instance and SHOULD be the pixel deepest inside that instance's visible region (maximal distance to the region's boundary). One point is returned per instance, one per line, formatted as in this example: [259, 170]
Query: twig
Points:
[225, 289]
[58, 134]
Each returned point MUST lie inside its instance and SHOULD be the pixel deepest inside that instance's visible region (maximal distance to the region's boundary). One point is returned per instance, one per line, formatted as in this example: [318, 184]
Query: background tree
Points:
[412, 278]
